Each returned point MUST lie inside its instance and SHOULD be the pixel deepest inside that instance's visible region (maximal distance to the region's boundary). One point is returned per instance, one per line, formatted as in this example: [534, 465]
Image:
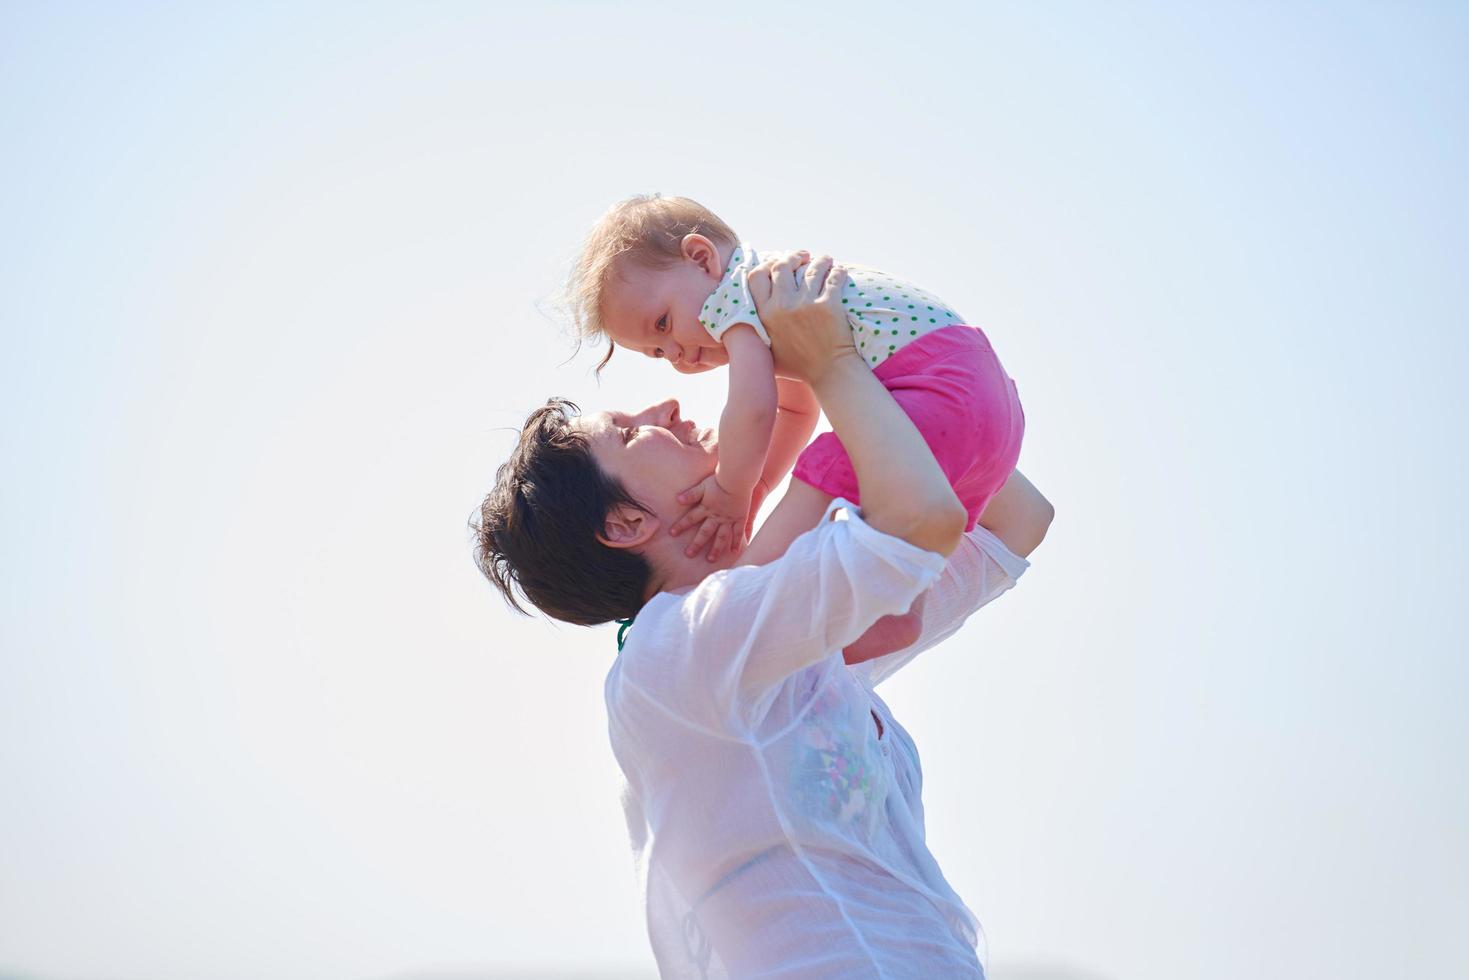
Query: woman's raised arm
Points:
[904, 493]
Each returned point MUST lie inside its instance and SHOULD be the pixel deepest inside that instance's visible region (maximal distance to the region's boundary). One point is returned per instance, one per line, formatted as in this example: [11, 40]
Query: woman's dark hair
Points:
[537, 529]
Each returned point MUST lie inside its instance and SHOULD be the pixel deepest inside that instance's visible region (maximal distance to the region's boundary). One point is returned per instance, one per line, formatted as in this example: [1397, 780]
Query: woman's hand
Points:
[800, 303]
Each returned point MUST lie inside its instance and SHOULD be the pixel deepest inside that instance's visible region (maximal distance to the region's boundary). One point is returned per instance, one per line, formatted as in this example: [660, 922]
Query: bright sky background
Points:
[275, 285]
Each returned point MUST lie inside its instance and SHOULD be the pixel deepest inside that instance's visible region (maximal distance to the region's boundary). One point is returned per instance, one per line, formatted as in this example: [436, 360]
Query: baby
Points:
[667, 278]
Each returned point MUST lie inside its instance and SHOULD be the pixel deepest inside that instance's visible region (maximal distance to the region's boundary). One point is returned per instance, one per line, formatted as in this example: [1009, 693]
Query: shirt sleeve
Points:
[715, 655]
[730, 303]
[979, 571]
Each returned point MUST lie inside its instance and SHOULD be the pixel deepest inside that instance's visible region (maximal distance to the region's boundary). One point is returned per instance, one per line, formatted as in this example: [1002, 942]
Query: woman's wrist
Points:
[836, 373]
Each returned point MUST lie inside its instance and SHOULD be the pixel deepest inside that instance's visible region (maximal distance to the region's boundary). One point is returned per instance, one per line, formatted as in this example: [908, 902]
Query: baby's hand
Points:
[757, 496]
[720, 516]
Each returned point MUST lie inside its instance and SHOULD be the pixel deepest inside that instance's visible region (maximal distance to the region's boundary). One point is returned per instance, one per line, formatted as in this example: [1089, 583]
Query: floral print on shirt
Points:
[838, 776]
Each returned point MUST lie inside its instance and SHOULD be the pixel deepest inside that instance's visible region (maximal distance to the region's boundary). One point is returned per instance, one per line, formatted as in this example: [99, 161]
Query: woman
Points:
[773, 800]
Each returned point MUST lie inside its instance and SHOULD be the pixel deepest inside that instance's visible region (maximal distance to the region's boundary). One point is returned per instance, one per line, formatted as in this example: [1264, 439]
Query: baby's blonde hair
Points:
[649, 229]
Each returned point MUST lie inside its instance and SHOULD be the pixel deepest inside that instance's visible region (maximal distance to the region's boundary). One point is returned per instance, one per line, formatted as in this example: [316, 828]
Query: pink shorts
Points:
[952, 386]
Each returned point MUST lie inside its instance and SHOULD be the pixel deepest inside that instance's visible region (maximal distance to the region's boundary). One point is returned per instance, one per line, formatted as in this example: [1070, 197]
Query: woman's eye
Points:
[663, 322]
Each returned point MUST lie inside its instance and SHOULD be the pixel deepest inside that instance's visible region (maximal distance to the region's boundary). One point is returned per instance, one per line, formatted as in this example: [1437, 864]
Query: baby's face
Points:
[656, 311]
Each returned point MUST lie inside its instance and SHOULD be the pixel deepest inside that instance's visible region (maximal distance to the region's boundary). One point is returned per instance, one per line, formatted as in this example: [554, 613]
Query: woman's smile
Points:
[690, 433]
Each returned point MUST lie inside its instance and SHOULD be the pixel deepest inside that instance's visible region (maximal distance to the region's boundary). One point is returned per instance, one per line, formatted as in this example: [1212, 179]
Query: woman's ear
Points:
[628, 527]
[703, 253]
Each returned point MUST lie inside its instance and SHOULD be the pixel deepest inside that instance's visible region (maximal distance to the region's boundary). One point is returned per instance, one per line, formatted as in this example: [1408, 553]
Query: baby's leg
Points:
[797, 513]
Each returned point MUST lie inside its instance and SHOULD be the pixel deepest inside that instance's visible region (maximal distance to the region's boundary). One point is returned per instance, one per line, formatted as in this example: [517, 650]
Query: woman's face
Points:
[656, 454]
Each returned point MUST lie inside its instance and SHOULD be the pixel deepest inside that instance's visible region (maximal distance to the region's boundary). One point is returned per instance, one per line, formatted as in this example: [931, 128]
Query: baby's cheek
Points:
[687, 330]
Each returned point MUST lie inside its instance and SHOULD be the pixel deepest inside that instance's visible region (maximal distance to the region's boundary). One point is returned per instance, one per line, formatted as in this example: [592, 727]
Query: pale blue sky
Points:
[273, 284]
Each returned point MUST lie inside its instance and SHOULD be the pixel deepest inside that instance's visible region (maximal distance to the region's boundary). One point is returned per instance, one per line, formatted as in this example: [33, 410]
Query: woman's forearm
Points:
[904, 493]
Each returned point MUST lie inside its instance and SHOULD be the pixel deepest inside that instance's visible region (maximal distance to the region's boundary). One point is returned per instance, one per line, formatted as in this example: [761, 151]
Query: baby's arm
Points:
[722, 502]
[796, 413]
[748, 419]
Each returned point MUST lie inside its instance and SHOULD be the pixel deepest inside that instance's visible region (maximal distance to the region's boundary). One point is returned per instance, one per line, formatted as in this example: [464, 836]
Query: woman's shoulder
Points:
[671, 664]
[660, 632]
[721, 609]
[683, 633]
[669, 617]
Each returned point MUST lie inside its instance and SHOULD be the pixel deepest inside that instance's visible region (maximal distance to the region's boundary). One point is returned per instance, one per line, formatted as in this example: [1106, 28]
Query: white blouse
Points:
[774, 803]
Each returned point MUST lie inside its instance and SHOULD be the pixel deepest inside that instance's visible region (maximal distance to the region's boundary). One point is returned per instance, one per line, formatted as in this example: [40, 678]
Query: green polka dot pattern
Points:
[892, 299]
[884, 298]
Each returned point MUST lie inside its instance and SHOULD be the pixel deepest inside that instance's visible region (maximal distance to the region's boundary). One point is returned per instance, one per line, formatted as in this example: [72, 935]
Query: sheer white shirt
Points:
[773, 802]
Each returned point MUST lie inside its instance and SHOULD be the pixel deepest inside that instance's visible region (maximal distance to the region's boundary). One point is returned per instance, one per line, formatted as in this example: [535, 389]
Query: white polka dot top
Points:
[885, 313]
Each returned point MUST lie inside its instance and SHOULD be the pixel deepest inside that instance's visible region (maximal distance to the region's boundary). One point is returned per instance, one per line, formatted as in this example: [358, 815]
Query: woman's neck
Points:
[674, 571]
